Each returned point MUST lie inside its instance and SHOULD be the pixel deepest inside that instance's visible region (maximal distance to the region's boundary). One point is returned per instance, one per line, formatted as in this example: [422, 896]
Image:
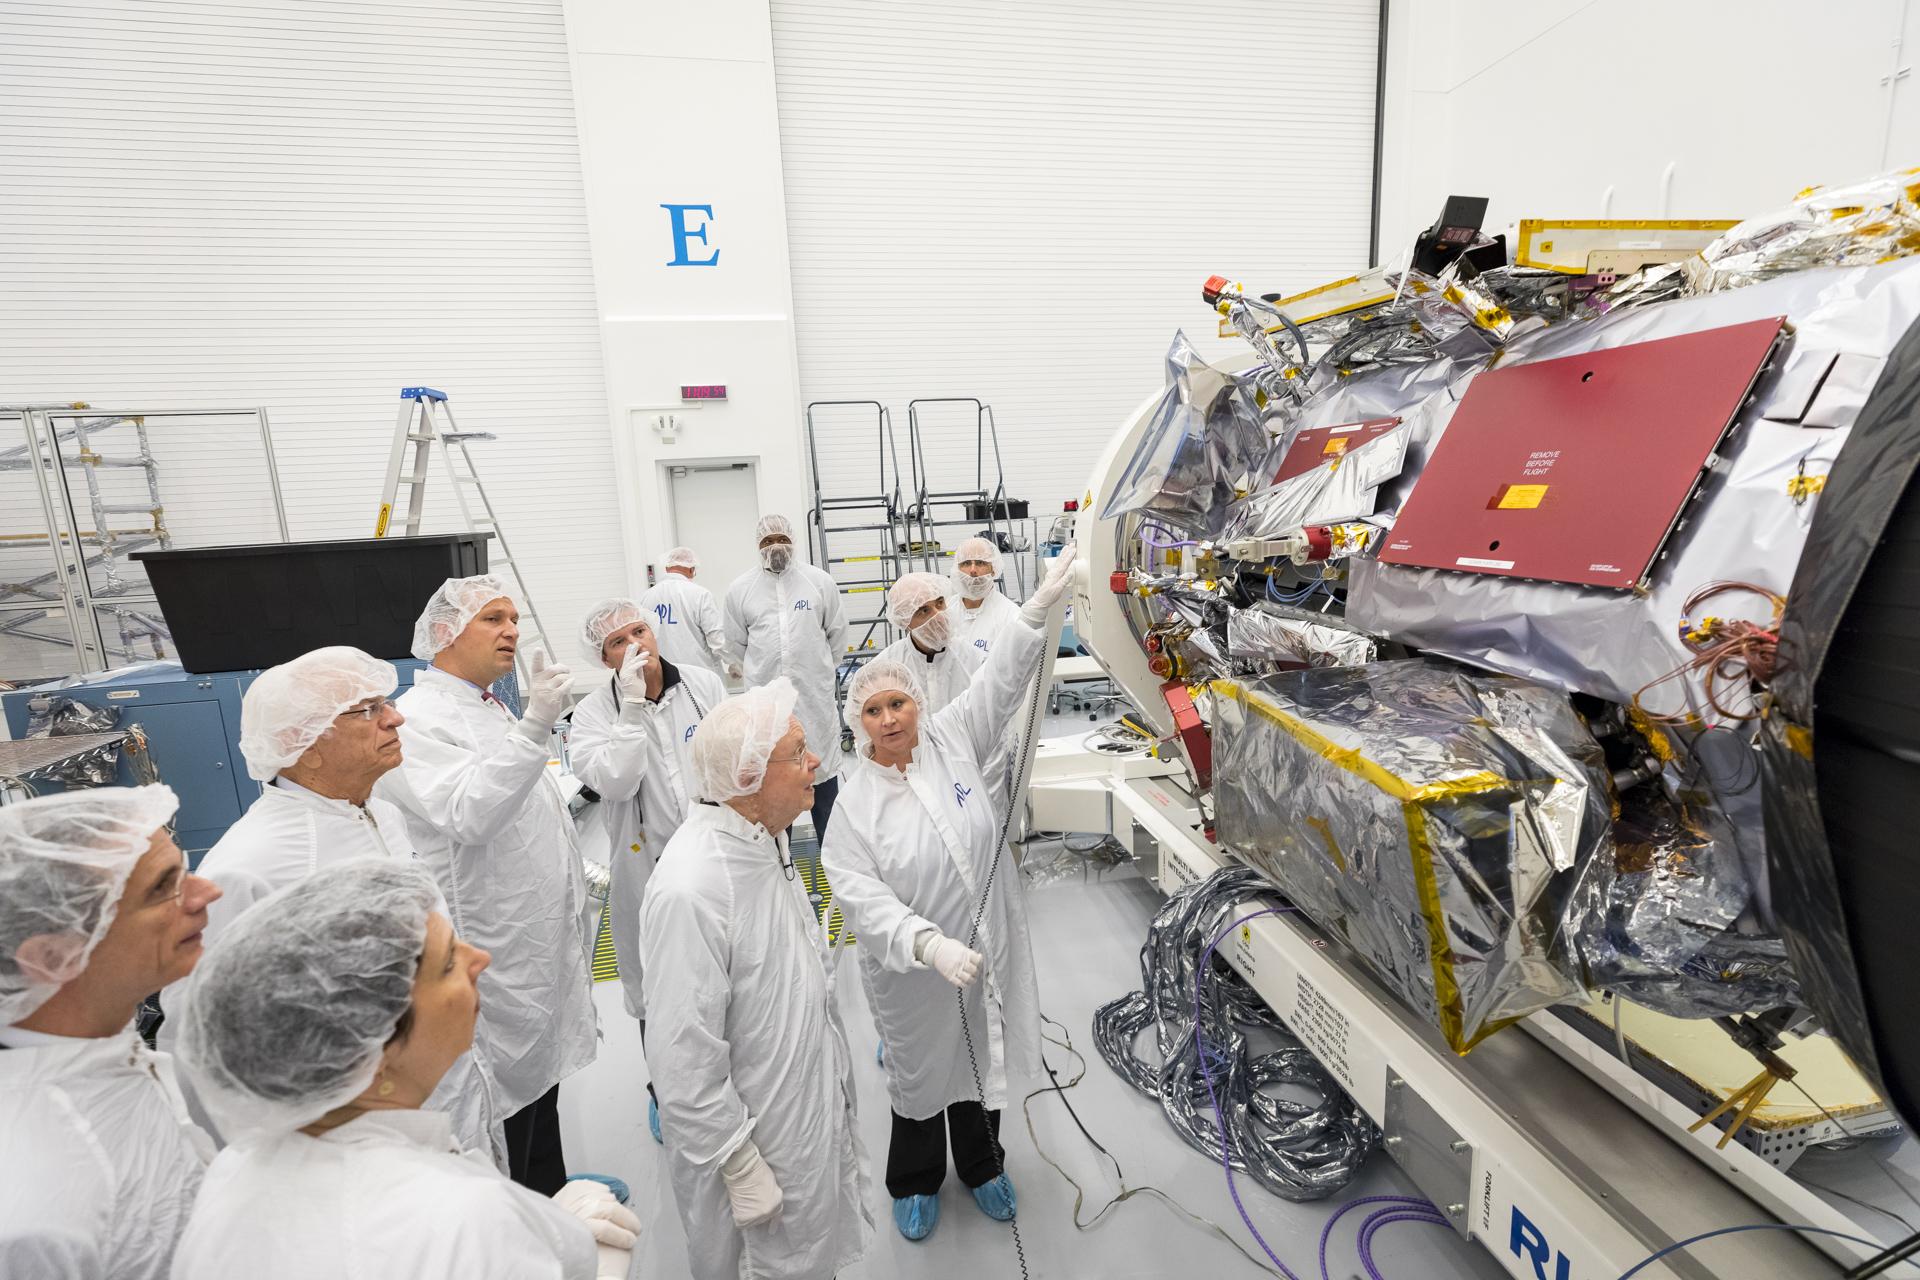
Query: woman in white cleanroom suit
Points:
[315, 1028]
[916, 858]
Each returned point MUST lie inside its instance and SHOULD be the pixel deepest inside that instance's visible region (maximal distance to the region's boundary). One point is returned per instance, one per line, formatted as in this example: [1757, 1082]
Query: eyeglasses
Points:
[371, 711]
[799, 758]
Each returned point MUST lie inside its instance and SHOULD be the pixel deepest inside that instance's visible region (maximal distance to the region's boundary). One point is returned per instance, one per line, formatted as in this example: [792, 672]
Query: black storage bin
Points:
[1004, 509]
[236, 608]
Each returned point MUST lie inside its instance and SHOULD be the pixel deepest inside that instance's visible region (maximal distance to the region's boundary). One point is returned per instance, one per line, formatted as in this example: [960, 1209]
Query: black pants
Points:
[824, 794]
[534, 1158]
[917, 1156]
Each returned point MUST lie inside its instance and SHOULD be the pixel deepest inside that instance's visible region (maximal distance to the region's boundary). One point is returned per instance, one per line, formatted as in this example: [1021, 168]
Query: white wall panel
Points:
[1764, 102]
[306, 205]
[1018, 200]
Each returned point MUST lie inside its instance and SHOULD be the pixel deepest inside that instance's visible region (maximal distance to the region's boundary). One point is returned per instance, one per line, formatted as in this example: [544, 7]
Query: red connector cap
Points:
[1072, 504]
[1319, 541]
[1210, 291]
[1118, 582]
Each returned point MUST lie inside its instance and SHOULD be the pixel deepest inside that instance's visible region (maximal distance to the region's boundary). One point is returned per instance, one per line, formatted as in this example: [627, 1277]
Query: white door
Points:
[715, 506]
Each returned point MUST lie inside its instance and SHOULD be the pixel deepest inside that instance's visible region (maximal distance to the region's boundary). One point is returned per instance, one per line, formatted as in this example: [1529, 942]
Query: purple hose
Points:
[1326, 1232]
[1386, 1218]
[1164, 546]
[1206, 1073]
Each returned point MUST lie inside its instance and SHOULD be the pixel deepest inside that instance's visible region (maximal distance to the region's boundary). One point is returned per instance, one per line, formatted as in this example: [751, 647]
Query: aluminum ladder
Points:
[426, 419]
[857, 529]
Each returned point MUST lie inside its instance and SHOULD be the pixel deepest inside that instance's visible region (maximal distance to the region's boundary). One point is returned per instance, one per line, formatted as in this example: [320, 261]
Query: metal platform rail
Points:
[89, 578]
[983, 506]
[858, 533]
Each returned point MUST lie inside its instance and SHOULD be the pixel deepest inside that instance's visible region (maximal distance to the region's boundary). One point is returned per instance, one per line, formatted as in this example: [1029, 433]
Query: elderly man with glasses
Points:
[745, 1040]
[317, 733]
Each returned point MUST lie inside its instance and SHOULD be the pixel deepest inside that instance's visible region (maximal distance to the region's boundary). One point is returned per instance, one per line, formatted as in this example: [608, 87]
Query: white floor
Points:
[1087, 932]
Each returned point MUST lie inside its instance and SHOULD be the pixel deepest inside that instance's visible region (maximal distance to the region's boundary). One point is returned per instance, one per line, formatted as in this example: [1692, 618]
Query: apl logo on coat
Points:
[979, 644]
[803, 604]
[960, 794]
[688, 735]
[665, 613]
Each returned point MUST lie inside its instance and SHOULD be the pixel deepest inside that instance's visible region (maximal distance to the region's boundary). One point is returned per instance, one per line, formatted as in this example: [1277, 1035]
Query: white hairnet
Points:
[451, 609]
[64, 862]
[286, 1015]
[978, 549]
[878, 676]
[603, 620]
[732, 744]
[771, 525]
[683, 558]
[909, 592]
[290, 706]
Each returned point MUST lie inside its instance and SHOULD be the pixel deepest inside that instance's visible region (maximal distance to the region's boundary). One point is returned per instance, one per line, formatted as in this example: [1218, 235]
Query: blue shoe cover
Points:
[916, 1215]
[996, 1199]
[653, 1119]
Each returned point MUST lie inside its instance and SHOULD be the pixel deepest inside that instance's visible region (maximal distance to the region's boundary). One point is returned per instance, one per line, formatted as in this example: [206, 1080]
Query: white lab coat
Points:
[745, 1042]
[284, 837]
[640, 759]
[686, 621]
[944, 676]
[912, 851]
[793, 624]
[489, 820]
[101, 1162]
[980, 628]
[389, 1193]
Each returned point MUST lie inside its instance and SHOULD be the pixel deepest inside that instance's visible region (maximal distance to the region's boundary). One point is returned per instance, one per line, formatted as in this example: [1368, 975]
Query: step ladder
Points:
[857, 533]
[935, 515]
[426, 420]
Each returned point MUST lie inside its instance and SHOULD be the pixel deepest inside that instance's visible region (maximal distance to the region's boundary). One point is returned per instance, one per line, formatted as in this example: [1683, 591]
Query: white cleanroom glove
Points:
[954, 961]
[547, 697]
[755, 1195]
[633, 674]
[1034, 611]
[613, 1225]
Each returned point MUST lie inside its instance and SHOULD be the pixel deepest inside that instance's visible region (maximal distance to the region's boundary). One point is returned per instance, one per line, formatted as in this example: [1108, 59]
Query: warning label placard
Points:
[1323, 1029]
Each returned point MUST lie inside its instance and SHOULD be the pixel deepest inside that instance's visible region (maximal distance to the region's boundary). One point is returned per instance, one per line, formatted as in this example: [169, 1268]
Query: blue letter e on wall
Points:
[682, 233]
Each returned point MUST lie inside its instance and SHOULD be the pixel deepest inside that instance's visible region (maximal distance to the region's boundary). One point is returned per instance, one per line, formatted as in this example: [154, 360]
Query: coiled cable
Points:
[1297, 1150]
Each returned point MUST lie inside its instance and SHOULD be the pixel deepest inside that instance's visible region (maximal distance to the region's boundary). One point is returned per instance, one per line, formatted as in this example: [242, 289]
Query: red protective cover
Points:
[1576, 470]
[1194, 737]
[1311, 448]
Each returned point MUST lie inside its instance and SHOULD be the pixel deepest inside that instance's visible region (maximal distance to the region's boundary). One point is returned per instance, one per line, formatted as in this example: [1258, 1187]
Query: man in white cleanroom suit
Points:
[917, 604]
[97, 912]
[315, 1030]
[786, 619]
[916, 858]
[746, 1046]
[686, 617]
[318, 732]
[984, 610]
[633, 744]
[491, 823]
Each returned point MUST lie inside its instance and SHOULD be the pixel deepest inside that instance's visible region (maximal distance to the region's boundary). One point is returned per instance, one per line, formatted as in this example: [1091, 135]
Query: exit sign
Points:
[709, 391]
